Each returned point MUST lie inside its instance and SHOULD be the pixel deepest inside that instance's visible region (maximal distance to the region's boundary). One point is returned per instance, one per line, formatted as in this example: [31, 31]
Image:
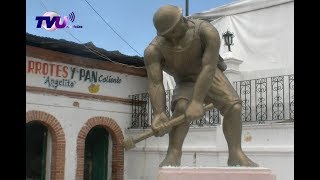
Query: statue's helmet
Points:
[165, 18]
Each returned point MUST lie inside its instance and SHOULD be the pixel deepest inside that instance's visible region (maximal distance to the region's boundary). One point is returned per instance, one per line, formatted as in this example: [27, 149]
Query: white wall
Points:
[263, 33]
[270, 145]
[72, 119]
[245, 75]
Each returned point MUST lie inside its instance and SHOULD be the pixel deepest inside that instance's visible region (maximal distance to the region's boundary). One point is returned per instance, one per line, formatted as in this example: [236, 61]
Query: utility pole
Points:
[187, 7]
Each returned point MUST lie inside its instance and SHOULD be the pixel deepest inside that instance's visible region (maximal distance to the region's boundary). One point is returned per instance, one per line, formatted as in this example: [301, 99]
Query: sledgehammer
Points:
[130, 142]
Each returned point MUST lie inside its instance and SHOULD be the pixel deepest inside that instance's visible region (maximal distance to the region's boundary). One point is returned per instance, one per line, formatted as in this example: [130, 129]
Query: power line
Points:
[112, 28]
[99, 54]
[44, 6]
[91, 50]
[96, 52]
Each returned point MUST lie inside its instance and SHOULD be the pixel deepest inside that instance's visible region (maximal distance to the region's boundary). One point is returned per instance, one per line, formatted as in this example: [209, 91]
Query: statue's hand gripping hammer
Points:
[130, 142]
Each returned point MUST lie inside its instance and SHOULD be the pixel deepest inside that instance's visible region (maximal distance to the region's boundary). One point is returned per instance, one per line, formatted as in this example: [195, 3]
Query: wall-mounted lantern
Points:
[228, 39]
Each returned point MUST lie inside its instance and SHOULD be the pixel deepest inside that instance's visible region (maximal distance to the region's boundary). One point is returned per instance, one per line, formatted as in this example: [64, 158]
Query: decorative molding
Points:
[77, 95]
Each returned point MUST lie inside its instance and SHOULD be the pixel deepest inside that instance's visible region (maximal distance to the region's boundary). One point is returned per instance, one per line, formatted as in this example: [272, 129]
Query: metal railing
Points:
[263, 100]
[267, 99]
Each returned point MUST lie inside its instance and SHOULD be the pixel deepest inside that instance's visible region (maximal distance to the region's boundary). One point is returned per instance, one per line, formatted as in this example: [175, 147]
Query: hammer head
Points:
[128, 144]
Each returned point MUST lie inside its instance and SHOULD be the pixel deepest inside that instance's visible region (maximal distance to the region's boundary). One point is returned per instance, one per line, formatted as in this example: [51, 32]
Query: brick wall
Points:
[117, 150]
[58, 141]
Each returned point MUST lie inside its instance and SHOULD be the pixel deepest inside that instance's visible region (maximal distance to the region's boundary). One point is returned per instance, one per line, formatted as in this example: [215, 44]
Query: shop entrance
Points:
[96, 154]
[36, 150]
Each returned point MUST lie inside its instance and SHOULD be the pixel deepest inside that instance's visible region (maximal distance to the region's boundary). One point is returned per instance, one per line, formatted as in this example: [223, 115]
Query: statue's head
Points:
[166, 18]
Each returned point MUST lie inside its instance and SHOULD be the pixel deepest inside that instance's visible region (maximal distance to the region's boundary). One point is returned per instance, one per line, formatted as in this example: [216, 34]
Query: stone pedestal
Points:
[215, 173]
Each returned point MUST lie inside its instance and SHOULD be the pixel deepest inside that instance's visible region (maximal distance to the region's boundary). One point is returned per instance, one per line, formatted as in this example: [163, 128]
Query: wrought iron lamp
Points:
[228, 39]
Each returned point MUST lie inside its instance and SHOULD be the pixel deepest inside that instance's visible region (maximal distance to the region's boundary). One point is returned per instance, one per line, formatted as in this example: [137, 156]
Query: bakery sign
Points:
[57, 75]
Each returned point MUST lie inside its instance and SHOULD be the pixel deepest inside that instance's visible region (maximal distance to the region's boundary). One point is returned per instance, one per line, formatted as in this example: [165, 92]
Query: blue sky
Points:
[131, 19]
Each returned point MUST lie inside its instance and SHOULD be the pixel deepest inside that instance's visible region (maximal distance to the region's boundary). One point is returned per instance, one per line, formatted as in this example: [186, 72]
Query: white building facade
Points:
[70, 96]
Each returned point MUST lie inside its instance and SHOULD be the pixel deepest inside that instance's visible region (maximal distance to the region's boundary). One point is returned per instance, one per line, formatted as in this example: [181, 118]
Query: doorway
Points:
[36, 150]
[96, 154]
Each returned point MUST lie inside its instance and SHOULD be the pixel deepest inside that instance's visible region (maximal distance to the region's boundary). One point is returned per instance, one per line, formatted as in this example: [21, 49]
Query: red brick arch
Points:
[58, 141]
[117, 150]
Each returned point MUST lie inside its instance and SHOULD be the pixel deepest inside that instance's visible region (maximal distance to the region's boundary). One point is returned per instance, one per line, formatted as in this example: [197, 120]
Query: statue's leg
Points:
[232, 129]
[176, 137]
[226, 99]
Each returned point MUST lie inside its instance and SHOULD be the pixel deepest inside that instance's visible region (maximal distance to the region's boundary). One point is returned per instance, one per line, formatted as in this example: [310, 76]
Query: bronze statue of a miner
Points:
[188, 50]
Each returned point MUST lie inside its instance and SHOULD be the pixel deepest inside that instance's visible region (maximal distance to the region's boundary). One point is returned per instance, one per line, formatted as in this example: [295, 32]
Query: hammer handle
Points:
[175, 121]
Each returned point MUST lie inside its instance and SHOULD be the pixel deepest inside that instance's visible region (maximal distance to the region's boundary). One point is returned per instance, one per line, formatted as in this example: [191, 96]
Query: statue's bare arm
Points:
[211, 41]
[152, 58]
